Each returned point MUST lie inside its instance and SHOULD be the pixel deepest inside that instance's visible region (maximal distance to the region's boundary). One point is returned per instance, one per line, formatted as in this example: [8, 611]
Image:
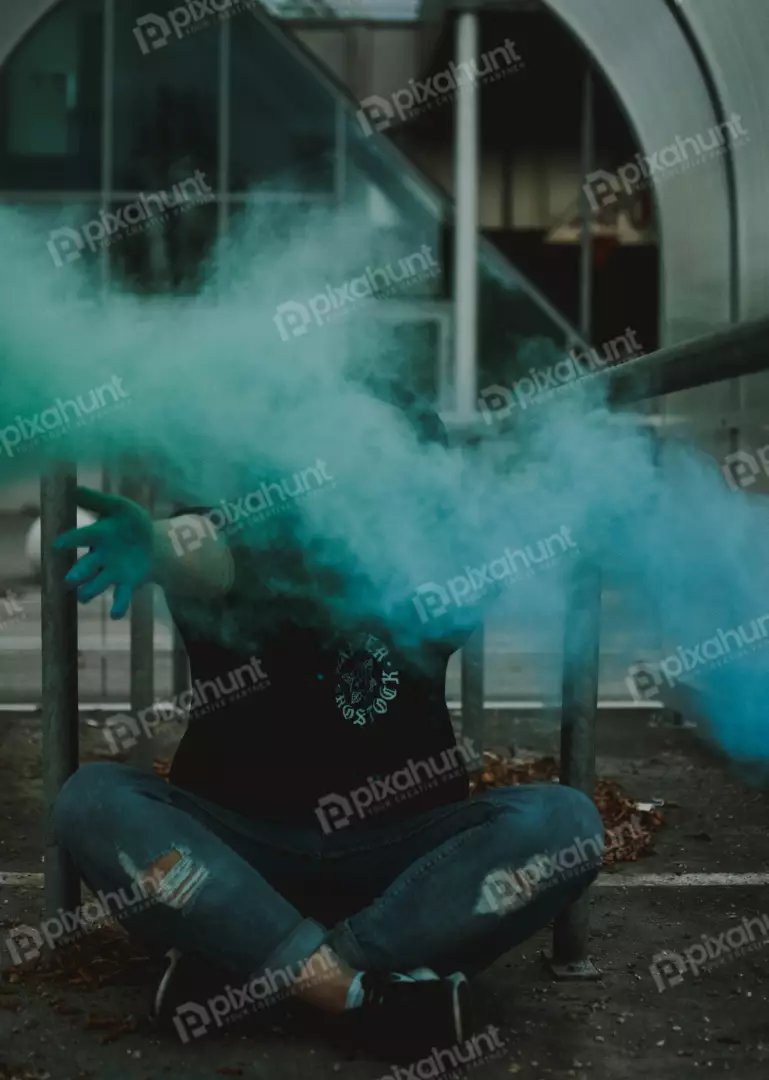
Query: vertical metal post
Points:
[107, 131]
[580, 698]
[466, 183]
[582, 635]
[473, 689]
[142, 661]
[60, 749]
[180, 667]
[224, 122]
[586, 230]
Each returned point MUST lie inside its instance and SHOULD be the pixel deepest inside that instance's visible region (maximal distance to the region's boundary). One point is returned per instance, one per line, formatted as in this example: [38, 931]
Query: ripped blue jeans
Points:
[451, 889]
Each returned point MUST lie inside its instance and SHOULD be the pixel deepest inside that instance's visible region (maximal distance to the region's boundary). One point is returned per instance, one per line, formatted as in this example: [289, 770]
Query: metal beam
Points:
[726, 354]
[142, 661]
[581, 660]
[60, 750]
[472, 686]
[579, 698]
[466, 186]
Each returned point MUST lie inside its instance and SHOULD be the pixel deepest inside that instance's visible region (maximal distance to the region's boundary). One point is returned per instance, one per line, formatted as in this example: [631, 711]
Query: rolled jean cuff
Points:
[343, 942]
[300, 944]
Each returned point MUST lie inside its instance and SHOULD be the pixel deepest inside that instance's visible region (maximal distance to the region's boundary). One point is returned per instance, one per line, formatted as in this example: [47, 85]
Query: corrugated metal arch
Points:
[19, 19]
[734, 41]
[694, 209]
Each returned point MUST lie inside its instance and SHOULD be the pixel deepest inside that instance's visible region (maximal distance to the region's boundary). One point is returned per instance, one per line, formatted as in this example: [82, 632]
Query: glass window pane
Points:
[51, 104]
[158, 249]
[283, 122]
[166, 101]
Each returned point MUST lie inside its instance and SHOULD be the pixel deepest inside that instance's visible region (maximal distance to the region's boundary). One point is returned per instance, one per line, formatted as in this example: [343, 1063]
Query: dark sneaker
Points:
[187, 982]
[401, 1020]
[196, 998]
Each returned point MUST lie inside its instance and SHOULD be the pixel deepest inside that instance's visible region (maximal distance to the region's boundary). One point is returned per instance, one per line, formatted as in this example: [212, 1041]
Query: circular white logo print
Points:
[366, 682]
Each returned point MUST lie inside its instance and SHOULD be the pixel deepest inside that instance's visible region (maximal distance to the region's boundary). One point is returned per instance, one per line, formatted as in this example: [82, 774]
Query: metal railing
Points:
[728, 354]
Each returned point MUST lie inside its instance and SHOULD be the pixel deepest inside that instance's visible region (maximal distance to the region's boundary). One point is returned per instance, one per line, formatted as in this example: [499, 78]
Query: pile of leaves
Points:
[629, 825]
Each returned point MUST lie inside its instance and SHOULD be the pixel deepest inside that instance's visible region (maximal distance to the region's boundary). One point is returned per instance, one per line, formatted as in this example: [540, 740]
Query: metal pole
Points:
[580, 696]
[60, 752]
[466, 182]
[579, 704]
[725, 354]
[180, 667]
[224, 122]
[586, 231]
[473, 689]
[142, 660]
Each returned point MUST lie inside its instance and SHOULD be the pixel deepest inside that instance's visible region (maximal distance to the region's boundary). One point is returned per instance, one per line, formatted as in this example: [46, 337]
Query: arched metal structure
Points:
[678, 67]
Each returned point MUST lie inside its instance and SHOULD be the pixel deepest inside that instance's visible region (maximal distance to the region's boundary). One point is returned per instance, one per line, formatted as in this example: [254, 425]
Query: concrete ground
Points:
[625, 1026]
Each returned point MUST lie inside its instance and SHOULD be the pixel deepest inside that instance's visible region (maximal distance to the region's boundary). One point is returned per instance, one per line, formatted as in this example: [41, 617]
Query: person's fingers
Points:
[99, 503]
[86, 567]
[96, 587]
[85, 537]
[121, 601]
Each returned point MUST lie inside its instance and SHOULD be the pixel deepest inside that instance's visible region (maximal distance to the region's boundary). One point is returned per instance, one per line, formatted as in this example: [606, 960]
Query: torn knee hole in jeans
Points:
[174, 878]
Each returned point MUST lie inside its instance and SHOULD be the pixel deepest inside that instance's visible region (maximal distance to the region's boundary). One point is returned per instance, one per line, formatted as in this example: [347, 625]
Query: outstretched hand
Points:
[120, 549]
